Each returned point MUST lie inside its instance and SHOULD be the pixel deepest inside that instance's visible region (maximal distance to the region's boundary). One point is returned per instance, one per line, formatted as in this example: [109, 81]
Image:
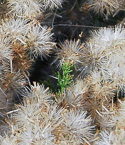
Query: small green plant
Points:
[65, 79]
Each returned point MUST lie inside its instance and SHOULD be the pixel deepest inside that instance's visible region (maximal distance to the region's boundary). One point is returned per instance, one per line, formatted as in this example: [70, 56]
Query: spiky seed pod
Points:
[24, 8]
[117, 135]
[112, 125]
[35, 100]
[41, 117]
[38, 94]
[101, 115]
[109, 37]
[100, 91]
[39, 40]
[42, 135]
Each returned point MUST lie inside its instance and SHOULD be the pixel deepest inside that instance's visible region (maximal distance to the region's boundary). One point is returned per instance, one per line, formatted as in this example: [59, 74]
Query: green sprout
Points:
[65, 79]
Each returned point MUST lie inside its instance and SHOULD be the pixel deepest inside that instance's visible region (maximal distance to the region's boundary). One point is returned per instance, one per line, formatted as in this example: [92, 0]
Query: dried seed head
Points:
[51, 4]
[103, 7]
[39, 40]
[24, 8]
[20, 59]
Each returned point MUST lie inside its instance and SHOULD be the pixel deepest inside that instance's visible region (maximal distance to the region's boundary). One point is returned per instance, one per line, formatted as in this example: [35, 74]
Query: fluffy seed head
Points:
[108, 37]
[51, 4]
[37, 119]
[13, 83]
[107, 47]
[70, 51]
[78, 125]
[100, 87]
[20, 58]
[113, 137]
[13, 29]
[39, 41]
[7, 140]
[103, 7]
[24, 8]
[5, 49]
[76, 53]
[73, 96]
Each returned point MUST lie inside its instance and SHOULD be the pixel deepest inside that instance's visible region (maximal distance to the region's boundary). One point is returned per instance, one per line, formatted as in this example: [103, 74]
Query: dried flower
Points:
[24, 8]
[100, 87]
[39, 40]
[13, 29]
[107, 49]
[113, 137]
[13, 83]
[38, 119]
[77, 125]
[76, 53]
[73, 96]
[103, 7]
[51, 4]
[20, 58]
[5, 49]
[7, 140]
